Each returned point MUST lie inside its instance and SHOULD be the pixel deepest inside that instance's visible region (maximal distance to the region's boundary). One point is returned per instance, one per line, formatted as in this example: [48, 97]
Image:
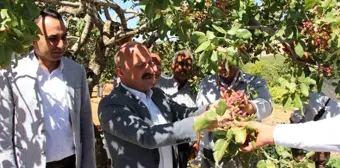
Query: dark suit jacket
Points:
[132, 139]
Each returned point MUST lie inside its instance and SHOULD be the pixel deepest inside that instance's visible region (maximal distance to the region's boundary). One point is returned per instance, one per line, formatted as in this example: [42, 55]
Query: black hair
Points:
[50, 13]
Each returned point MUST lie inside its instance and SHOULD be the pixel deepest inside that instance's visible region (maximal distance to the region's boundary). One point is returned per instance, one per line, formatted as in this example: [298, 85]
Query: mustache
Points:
[148, 76]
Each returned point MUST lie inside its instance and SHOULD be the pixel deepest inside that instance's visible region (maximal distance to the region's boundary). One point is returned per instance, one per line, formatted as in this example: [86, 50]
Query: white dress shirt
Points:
[58, 130]
[182, 96]
[165, 153]
[319, 136]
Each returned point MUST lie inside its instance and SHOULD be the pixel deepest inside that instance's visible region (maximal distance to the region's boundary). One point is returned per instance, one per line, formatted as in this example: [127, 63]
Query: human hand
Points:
[247, 107]
[263, 133]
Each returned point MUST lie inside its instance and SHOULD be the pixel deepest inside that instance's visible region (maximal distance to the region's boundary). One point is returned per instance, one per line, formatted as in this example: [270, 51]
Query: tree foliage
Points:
[17, 29]
[306, 32]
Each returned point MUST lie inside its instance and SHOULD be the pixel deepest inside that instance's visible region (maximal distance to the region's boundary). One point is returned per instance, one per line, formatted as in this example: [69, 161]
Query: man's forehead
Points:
[50, 25]
[135, 53]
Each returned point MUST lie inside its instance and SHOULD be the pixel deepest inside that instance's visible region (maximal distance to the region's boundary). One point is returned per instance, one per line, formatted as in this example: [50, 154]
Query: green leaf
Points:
[214, 58]
[291, 87]
[221, 49]
[270, 164]
[210, 35]
[287, 101]
[221, 106]
[177, 2]
[202, 58]
[297, 100]
[205, 121]
[283, 152]
[261, 164]
[199, 36]
[219, 29]
[309, 4]
[240, 134]
[309, 81]
[149, 10]
[283, 82]
[304, 89]
[234, 29]
[6, 55]
[337, 89]
[202, 47]
[220, 148]
[329, 3]
[16, 46]
[299, 50]
[168, 22]
[243, 33]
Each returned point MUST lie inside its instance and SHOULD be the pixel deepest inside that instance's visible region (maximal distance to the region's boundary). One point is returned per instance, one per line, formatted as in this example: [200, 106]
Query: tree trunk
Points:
[97, 64]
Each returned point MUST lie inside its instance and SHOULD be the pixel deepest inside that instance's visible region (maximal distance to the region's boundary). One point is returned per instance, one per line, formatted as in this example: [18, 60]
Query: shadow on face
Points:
[52, 42]
[182, 67]
[135, 67]
[157, 65]
[226, 73]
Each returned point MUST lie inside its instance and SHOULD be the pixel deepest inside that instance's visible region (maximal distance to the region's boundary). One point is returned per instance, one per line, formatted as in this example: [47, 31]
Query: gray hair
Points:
[182, 52]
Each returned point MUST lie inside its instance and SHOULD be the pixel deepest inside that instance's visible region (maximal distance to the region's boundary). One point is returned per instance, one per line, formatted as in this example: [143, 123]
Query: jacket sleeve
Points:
[118, 120]
[7, 154]
[263, 100]
[182, 111]
[87, 133]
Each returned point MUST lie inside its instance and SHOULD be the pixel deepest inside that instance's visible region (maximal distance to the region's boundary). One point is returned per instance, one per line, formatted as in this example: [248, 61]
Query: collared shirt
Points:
[313, 136]
[182, 96]
[59, 136]
[209, 92]
[165, 153]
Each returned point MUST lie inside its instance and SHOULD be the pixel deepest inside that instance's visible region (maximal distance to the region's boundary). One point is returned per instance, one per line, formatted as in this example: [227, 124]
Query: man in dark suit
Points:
[142, 126]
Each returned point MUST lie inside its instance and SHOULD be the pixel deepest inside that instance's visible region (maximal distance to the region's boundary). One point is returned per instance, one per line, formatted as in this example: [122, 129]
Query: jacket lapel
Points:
[70, 92]
[141, 109]
[161, 102]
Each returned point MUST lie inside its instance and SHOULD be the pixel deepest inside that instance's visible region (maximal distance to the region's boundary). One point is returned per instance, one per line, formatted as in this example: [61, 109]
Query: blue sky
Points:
[131, 23]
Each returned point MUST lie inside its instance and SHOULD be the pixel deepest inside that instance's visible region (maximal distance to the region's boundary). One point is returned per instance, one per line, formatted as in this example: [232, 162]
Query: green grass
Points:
[267, 59]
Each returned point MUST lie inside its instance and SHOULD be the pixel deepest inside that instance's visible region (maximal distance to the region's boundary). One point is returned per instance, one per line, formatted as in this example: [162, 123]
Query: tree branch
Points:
[68, 7]
[107, 14]
[63, 3]
[133, 16]
[84, 35]
[116, 8]
[263, 28]
[124, 35]
[154, 36]
[92, 11]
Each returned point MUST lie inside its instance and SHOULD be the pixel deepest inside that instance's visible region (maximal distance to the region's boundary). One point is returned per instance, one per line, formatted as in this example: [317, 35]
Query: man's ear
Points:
[34, 43]
[119, 72]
